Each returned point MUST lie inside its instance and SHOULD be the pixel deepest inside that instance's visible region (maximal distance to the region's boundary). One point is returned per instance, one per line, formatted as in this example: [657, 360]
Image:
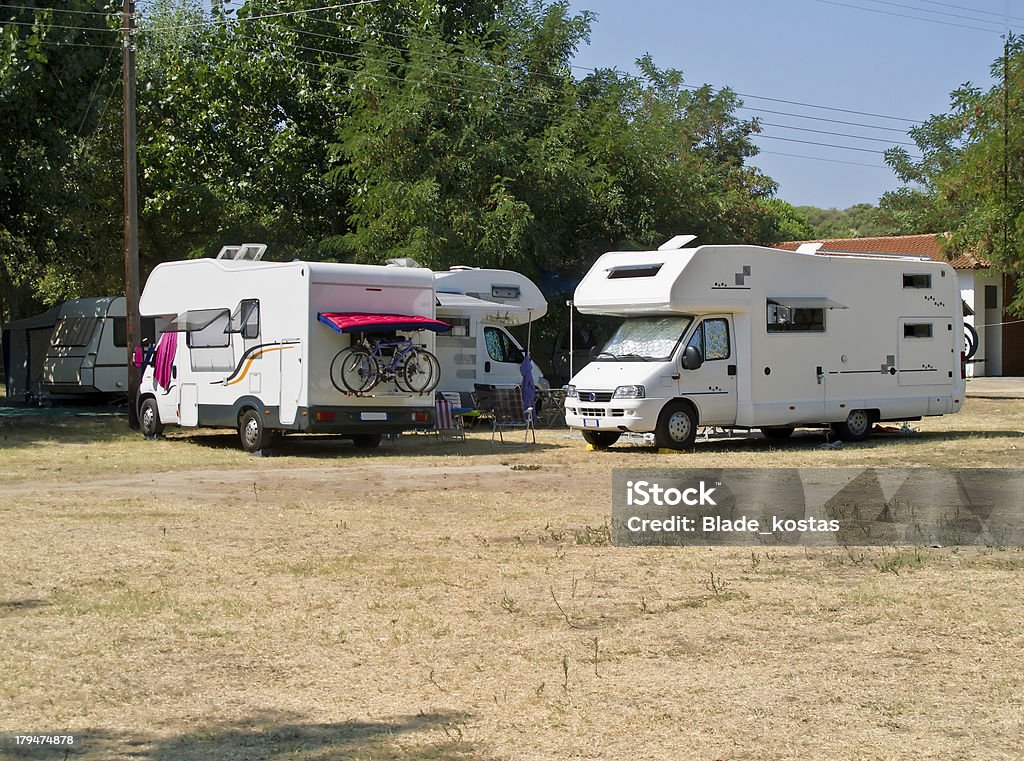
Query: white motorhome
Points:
[255, 344]
[78, 348]
[480, 304]
[750, 337]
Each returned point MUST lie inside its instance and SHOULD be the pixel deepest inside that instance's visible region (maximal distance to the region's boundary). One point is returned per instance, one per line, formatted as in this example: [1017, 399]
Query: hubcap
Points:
[679, 426]
[147, 418]
[252, 432]
[857, 422]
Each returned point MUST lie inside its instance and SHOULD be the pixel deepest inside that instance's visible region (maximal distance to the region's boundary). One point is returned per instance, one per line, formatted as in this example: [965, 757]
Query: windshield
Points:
[645, 339]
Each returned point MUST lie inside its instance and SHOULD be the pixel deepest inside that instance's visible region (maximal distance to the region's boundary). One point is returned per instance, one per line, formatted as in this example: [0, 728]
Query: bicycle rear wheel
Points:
[354, 370]
[420, 371]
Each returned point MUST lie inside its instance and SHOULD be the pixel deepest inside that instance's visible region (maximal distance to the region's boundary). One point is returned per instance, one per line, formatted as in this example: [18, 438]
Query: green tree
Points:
[970, 180]
[55, 69]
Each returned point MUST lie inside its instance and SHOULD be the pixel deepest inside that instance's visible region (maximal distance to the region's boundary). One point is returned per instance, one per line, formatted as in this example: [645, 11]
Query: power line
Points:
[56, 10]
[820, 158]
[821, 119]
[825, 145]
[1001, 16]
[54, 43]
[61, 26]
[213, 23]
[904, 15]
[925, 10]
[840, 134]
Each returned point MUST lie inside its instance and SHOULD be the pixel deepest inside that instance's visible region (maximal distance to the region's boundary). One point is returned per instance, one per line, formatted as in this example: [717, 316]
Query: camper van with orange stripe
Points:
[266, 347]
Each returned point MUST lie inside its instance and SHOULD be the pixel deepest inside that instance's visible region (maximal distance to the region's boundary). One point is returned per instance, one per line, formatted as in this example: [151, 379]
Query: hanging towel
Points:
[164, 360]
[529, 386]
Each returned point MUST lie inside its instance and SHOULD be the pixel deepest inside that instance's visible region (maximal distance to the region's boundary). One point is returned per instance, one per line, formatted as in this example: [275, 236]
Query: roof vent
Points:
[677, 242]
[808, 248]
[251, 252]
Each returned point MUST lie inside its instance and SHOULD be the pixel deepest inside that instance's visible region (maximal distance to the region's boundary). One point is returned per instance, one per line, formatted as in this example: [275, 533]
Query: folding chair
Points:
[445, 419]
[504, 405]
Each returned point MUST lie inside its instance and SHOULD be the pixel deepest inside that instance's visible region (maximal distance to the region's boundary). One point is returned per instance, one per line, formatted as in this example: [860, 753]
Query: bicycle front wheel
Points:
[354, 370]
[420, 371]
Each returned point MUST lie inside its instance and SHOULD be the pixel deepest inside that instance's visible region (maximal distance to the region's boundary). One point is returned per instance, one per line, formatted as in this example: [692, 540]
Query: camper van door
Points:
[502, 356]
[712, 386]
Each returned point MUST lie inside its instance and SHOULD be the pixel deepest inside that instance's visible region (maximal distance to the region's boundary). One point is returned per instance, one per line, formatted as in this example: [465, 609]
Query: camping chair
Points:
[504, 405]
[446, 416]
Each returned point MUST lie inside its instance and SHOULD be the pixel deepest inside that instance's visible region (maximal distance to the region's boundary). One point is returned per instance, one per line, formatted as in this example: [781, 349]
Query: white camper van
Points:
[480, 304]
[750, 337]
[259, 346]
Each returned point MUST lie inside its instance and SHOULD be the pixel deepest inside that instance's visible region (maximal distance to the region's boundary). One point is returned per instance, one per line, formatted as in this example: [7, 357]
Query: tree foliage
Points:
[970, 180]
[451, 133]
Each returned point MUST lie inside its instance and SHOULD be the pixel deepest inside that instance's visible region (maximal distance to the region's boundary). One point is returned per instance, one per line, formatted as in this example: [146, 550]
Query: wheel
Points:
[778, 433]
[420, 372]
[253, 434]
[149, 418]
[856, 427]
[601, 439]
[677, 426]
[366, 440]
[970, 341]
[354, 370]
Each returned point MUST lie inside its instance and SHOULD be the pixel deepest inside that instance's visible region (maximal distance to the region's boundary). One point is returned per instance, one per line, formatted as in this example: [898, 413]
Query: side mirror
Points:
[692, 358]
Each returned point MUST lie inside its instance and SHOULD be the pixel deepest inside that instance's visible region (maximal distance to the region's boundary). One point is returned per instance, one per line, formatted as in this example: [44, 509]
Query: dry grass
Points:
[180, 600]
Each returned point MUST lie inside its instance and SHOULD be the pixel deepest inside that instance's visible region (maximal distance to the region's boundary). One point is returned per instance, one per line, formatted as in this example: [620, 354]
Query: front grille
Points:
[595, 396]
[591, 412]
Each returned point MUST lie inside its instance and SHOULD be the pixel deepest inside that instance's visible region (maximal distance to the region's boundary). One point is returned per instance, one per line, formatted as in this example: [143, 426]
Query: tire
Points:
[779, 433]
[855, 428]
[366, 440]
[601, 439]
[420, 372]
[677, 426]
[970, 341]
[252, 433]
[149, 418]
[354, 371]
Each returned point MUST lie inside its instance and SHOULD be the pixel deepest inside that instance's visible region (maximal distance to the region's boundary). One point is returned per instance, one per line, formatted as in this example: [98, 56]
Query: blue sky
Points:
[836, 53]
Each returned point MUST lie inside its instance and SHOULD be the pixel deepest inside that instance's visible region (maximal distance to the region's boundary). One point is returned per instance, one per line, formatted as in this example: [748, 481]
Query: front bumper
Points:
[637, 415]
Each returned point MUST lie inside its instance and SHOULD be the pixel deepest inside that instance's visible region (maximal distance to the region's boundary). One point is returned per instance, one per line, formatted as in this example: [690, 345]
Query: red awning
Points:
[359, 322]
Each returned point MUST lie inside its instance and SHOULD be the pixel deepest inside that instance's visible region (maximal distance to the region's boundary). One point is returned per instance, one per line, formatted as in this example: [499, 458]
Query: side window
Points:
[214, 335]
[784, 318]
[500, 347]
[917, 280]
[712, 338]
[246, 319]
[716, 339]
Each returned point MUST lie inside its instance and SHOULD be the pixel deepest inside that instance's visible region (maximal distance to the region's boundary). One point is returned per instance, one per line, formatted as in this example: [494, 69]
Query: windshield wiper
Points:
[609, 355]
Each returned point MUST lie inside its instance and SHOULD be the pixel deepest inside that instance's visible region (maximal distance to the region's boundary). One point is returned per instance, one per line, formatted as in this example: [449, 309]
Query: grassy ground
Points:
[178, 599]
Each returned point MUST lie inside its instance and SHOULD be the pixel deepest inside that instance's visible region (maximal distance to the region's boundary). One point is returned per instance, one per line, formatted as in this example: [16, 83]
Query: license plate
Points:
[591, 423]
[373, 416]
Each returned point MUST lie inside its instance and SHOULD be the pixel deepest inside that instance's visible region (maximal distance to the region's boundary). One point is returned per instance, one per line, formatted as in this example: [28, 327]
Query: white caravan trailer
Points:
[255, 342]
[751, 337]
[79, 348]
[480, 304]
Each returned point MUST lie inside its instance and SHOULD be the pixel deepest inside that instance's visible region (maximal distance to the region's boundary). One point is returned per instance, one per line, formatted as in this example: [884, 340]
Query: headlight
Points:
[570, 392]
[629, 392]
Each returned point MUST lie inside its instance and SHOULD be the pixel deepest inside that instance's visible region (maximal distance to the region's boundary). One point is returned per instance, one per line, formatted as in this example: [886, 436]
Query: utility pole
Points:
[131, 214]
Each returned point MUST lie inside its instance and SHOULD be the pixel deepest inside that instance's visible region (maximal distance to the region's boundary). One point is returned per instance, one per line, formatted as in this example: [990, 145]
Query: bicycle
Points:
[373, 360]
